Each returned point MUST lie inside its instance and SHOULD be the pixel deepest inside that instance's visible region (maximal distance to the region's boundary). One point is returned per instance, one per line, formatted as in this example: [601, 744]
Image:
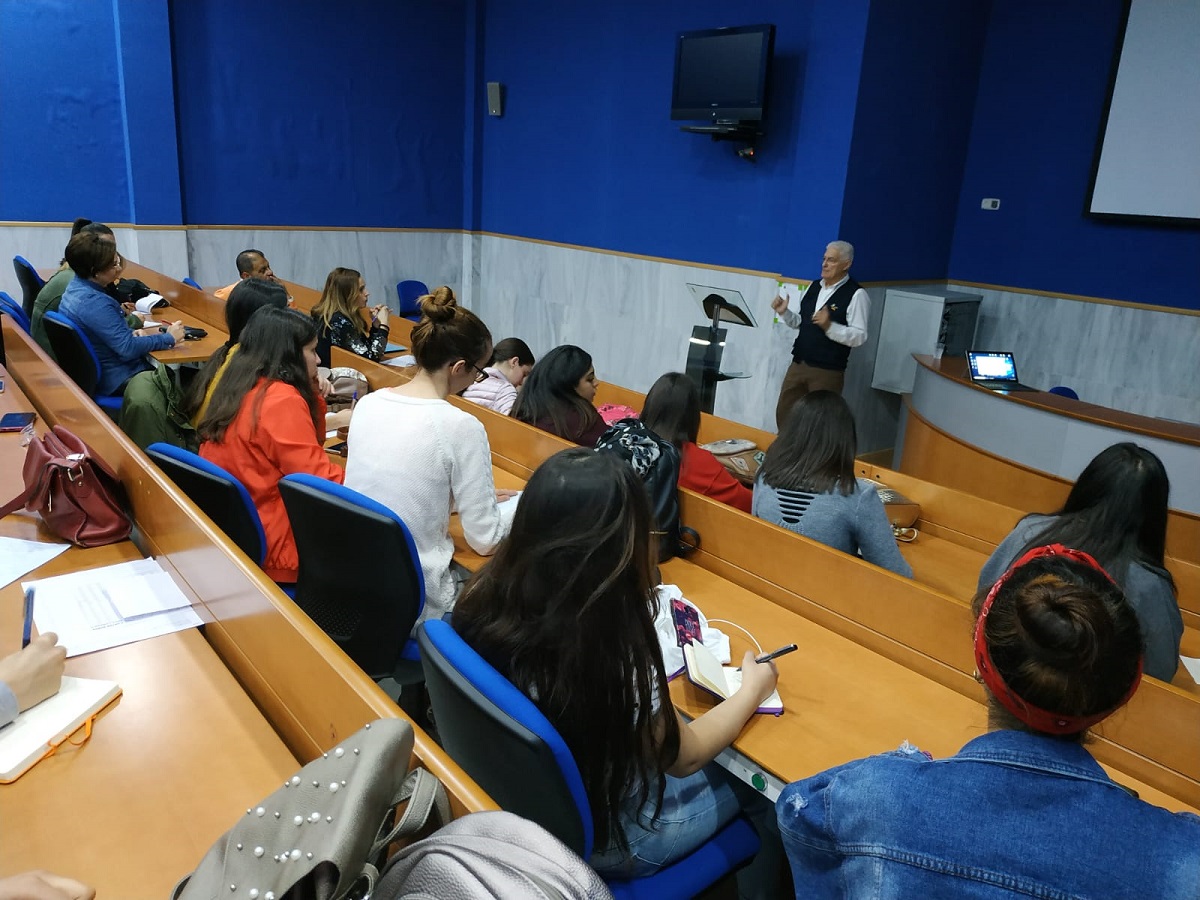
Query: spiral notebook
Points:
[26, 740]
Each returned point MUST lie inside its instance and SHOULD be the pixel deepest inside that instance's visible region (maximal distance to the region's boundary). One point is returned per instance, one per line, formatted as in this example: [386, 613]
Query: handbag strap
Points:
[425, 795]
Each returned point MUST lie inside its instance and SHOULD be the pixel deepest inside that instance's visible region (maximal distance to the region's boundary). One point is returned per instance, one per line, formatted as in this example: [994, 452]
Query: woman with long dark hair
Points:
[672, 411]
[807, 484]
[266, 419]
[1023, 810]
[339, 317]
[565, 611]
[421, 456]
[1117, 512]
[247, 297]
[557, 396]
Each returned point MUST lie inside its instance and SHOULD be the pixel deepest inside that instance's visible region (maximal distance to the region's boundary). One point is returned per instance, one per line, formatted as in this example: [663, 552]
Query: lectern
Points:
[708, 341]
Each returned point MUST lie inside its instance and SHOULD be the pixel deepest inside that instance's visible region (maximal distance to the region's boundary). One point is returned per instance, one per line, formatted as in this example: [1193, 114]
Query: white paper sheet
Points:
[1193, 667]
[110, 606]
[19, 557]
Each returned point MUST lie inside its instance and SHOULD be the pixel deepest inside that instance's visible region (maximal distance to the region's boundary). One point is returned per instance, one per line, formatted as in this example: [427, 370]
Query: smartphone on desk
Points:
[687, 622]
[16, 421]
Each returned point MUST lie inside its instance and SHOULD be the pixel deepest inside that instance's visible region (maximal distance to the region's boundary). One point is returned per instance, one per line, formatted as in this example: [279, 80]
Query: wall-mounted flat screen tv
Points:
[722, 74]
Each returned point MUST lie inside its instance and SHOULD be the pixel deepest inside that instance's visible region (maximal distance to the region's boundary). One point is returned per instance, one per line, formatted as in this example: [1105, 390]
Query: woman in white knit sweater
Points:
[420, 456]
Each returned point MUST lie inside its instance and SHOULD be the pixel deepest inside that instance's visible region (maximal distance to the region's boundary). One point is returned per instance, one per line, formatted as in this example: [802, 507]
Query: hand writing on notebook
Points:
[35, 673]
[758, 678]
[40, 885]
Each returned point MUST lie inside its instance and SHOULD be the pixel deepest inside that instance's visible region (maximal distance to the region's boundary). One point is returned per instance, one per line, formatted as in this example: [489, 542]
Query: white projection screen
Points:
[1148, 164]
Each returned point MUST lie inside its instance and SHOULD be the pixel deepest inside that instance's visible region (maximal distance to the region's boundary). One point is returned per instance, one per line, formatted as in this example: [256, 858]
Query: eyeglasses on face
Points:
[480, 374]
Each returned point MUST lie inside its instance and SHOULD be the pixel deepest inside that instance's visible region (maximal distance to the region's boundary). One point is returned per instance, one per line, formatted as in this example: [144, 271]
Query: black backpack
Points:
[657, 464]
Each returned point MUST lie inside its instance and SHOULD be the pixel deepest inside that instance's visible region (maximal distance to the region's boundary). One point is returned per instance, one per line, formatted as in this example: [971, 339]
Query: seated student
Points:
[420, 456]
[1117, 512]
[250, 264]
[247, 297]
[672, 411]
[51, 294]
[511, 361]
[565, 612]
[31, 675]
[266, 419]
[339, 319]
[557, 397]
[807, 484]
[122, 353]
[1023, 809]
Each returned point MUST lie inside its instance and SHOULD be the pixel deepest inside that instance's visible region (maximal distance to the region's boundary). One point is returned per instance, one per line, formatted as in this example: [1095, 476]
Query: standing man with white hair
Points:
[832, 320]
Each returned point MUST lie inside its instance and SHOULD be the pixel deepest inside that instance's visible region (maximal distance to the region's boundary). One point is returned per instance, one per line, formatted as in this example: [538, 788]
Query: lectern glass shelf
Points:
[707, 342]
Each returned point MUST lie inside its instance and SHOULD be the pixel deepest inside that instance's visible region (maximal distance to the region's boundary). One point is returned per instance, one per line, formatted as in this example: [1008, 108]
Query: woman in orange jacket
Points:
[266, 419]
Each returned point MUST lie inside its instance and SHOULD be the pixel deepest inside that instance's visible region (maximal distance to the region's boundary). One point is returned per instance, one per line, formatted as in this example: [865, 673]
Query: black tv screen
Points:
[721, 73]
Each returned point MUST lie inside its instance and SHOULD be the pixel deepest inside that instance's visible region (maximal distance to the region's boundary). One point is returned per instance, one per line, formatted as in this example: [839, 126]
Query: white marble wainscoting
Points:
[635, 317]
[384, 257]
[162, 249]
[1137, 360]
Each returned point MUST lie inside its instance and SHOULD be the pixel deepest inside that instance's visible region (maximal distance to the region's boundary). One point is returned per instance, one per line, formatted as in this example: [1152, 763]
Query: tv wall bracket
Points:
[747, 135]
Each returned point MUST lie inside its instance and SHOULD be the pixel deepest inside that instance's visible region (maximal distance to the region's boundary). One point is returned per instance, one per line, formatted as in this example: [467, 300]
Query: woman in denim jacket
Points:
[1023, 810]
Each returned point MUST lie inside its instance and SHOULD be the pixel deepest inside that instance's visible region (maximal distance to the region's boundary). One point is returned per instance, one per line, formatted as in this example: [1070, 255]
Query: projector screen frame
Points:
[1177, 222]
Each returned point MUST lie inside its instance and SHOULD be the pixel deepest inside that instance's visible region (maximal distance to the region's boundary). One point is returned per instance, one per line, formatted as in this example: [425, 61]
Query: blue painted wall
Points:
[1037, 117]
[303, 113]
[86, 112]
[911, 131]
[586, 152]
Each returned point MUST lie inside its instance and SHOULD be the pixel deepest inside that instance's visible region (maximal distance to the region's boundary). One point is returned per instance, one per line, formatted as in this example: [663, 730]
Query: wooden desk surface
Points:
[841, 700]
[183, 729]
[189, 351]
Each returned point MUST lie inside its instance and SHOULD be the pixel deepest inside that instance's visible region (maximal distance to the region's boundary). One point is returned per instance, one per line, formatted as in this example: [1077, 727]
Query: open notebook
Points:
[25, 741]
[705, 671]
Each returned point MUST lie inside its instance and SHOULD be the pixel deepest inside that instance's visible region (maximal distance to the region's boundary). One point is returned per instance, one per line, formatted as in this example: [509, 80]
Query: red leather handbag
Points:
[75, 493]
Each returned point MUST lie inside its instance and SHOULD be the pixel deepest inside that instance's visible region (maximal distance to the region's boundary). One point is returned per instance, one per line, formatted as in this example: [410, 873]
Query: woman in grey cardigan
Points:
[807, 484]
[1117, 513]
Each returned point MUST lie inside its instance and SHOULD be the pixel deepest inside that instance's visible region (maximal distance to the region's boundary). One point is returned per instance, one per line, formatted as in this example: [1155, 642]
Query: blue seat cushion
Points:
[728, 849]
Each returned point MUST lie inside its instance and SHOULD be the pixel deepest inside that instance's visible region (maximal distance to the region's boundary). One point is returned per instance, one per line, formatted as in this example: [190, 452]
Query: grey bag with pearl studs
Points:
[323, 835]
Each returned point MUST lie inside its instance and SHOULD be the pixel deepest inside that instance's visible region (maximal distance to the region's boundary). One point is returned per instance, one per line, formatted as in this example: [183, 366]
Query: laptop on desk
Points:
[994, 370]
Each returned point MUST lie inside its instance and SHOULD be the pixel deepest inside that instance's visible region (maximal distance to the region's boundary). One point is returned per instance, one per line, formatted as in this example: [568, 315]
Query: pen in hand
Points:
[27, 630]
[767, 657]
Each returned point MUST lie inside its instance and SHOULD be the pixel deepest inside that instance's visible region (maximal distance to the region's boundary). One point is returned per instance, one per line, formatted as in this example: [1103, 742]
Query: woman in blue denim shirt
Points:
[1023, 810]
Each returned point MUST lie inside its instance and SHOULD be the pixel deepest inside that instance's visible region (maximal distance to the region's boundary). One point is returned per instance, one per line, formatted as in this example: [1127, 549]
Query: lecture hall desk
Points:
[168, 764]
[841, 700]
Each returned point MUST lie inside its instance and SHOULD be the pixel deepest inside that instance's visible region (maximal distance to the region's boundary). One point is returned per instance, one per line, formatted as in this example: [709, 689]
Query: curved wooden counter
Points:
[1044, 440]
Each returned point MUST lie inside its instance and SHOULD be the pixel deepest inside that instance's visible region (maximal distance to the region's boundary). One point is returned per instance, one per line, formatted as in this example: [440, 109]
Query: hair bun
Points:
[439, 306]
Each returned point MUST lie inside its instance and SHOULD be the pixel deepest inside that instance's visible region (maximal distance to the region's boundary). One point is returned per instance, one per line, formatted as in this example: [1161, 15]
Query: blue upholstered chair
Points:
[77, 357]
[360, 577]
[409, 292]
[502, 740]
[190, 283]
[10, 307]
[219, 495]
[31, 282]
[1063, 391]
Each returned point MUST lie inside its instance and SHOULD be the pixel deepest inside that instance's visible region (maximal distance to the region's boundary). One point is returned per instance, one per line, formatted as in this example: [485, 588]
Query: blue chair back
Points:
[1064, 391]
[409, 292]
[360, 577]
[31, 283]
[219, 495]
[10, 307]
[190, 283]
[502, 740]
[73, 350]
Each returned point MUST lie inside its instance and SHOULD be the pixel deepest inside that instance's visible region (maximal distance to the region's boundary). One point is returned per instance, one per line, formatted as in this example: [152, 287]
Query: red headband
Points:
[1035, 717]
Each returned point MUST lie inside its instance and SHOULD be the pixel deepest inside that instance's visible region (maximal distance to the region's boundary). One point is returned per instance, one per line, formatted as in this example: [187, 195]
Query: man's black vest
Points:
[812, 346]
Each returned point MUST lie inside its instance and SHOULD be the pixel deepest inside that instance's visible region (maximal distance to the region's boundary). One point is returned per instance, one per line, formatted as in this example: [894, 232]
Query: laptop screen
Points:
[991, 366]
